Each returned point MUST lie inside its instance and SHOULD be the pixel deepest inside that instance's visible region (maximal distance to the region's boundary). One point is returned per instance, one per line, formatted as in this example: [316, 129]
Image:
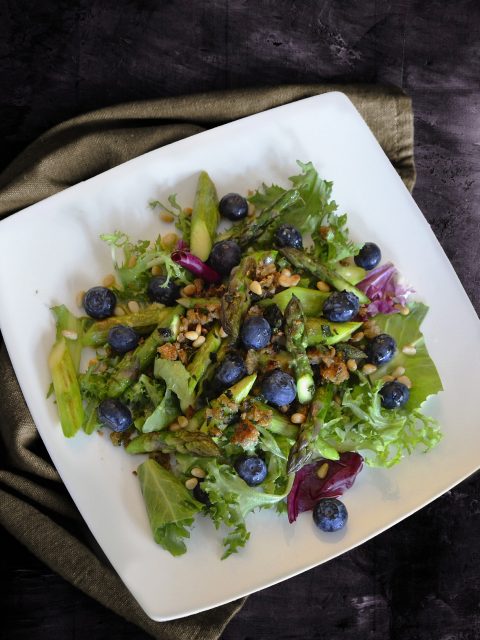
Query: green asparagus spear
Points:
[72, 328]
[205, 217]
[145, 319]
[66, 388]
[223, 408]
[198, 303]
[236, 300]
[310, 299]
[245, 232]
[304, 447]
[296, 343]
[134, 362]
[201, 361]
[182, 441]
[279, 423]
[320, 331]
[301, 260]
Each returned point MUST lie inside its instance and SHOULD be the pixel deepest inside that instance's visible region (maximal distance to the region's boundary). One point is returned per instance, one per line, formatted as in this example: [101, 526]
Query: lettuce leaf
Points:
[232, 499]
[420, 368]
[177, 378]
[170, 507]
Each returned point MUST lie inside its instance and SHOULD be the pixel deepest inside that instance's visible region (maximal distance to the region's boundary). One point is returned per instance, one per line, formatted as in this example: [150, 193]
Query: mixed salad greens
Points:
[253, 372]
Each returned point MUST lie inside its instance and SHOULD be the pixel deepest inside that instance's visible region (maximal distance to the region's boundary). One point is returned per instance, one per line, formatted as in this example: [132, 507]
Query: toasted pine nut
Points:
[182, 421]
[174, 427]
[286, 272]
[198, 328]
[189, 290]
[197, 472]
[251, 210]
[198, 342]
[388, 378]
[222, 333]
[191, 483]
[108, 280]
[399, 371]
[409, 350]
[79, 298]
[351, 364]
[166, 217]
[118, 311]
[132, 261]
[298, 418]
[289, 281]
[191, 335]
[323, 286]
[170, 239]
[256, 287]
[156, 270]
[133, 306]
[406, 381]
[70, 335]
[198, 282]
[357, 336]
[322, 471]
[368, 369]
[188, 211]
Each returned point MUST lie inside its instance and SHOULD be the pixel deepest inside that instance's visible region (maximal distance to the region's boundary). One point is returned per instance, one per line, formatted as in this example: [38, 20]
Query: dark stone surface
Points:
[421, 579]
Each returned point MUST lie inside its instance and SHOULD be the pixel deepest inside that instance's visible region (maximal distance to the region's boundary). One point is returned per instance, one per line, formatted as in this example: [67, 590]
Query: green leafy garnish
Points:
[183, 219]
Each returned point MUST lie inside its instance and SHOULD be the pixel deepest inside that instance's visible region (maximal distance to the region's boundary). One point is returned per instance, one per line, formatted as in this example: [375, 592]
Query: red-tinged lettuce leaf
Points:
[384, 290]
[308, 488]
[193, 264]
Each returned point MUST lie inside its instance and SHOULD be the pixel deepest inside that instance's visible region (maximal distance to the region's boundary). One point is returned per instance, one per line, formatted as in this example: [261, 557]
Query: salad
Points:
[256, 367]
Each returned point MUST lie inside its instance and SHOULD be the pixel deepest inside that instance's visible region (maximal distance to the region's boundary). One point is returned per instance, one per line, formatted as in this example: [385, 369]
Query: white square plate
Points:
[52, 250]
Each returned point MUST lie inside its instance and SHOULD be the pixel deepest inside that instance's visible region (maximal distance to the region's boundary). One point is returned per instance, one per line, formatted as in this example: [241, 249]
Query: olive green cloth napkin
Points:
[34, 505]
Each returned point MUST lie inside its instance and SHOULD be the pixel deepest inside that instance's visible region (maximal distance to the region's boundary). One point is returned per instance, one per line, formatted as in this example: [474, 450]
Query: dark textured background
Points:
[421, 579]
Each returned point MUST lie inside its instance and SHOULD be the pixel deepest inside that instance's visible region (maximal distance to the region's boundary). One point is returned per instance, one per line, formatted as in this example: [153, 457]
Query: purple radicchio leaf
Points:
[195, 265]
[308, 488]
[382, 287]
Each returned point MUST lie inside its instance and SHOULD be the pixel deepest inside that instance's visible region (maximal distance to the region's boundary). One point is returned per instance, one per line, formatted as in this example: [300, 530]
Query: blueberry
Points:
[233, 206]
[288, 236]
[201, 495]
[255, 333]
[381, 349]
[279, 388]
[159, 292]
[252, 469]
[329, 514]
[122, 338]
[224, 256]
[341, 306]
[394, 395]
[114, 414]
[99, 302]
[369, 256]
[231, 370]
[274, 317]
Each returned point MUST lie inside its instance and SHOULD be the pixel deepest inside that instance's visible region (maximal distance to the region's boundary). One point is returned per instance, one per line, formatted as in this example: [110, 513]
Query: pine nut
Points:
[323, 286]
[118, 311]
[406, 381]
[298, 418]
[156, 270]
[79, 298]
[191, 335]
[170, 239]
[198, 282]
[222, 333]
[351, 364]
[322, 471]
[388, 378]
[251, 210]
[198, 328]
[197, 472]
[399, 371]
[133, 306]
[174, 427]
[357, 336]
[166, 217]
[198, 342]
[368, 369]
[70, 335]
[404, 311]
[132, 261]
[189, 290]
[409, 350]
[289, 281]
[256, 287]
[286, 272]
[108, 280]
[191, 483]
[182, 421]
